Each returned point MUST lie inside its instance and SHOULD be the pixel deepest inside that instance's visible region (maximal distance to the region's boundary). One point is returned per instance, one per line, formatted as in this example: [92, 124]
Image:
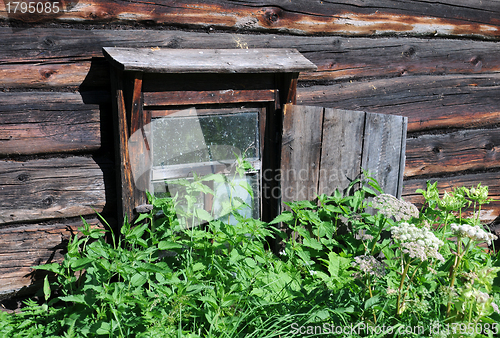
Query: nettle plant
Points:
[184, 271]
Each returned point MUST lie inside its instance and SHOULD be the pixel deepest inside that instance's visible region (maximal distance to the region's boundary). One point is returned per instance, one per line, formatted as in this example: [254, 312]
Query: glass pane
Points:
[229, 195]
[195, 139]
[235, 196]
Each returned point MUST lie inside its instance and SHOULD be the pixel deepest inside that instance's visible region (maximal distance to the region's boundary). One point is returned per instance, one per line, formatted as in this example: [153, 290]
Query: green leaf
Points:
[250, 262]
[313, 243]
[167, 245]
[303, 232]
[79, 299]
[46, 288]
[198, 266]
[371, 302]
[337, 265]
[388, 253]
[138, 279]
[286, 216]
[141, 217]
[102, 328]
[138, 231]
[52, 267]
[80, 263]
[148, 267]
[203, 214]
[219, 178]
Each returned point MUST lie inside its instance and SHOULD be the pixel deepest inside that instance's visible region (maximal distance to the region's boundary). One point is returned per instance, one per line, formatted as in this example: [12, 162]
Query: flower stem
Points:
[458, 260]
[405, 272]
[371, 296]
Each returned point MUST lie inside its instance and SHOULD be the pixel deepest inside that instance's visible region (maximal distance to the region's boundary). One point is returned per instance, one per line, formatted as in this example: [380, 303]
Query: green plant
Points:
[355, 264]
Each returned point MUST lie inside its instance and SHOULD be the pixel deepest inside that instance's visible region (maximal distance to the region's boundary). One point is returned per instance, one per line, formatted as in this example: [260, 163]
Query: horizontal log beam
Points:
[343, 17]
[37, 123]
[453, 152]
[89, 74]
[47, 57]
[51, 188]
[27, 245]
[429, 102]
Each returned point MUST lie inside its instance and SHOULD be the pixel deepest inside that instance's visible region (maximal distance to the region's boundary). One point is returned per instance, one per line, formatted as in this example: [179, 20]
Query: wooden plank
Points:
[51, 188]
[124, 180]
[342, 17]
[429, 102]
[490, 211]
[300, 152]
[139, 150]
[341, 149]
[61, 122]
[167, 60]
[207, 97]
[384, 137]
[27, 245]
[453, 152]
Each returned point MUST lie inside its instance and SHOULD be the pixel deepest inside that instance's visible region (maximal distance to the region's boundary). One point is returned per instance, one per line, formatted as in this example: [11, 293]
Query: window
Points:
[179, 112]
[208, 141]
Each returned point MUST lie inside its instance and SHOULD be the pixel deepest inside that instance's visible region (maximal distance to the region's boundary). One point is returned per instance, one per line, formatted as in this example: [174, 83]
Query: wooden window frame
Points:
[144, 80]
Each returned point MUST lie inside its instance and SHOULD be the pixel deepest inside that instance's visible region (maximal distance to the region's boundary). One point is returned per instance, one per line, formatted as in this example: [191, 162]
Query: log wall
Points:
[436, 62]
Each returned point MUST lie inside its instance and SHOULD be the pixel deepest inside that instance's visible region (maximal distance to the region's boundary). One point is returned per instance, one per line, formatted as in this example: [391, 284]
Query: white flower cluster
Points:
[369, 266]
[391, 206]
[419, 243]
[481, 298]
[475, 233]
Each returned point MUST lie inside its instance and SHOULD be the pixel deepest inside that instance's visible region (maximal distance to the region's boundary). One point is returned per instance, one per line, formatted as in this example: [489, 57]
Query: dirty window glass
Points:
[193, 139]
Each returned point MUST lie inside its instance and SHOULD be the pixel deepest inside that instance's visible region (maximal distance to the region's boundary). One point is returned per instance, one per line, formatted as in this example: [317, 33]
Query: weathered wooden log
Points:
[429, 102]
[60, 122]
[90, 74]
[452, 152]
[27, 245]
[490, 212]
[52, 188]
[70, 58]
[344, 17]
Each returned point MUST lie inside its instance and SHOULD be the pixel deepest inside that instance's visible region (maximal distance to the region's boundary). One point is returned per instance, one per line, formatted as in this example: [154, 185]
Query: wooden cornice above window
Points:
[156, 60]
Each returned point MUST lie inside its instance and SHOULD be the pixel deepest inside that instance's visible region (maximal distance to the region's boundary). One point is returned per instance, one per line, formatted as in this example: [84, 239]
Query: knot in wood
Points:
[272, 15]
[46, 73]
[475, 60]
[23, 177]
[489, 146]
[409, 51]
[49, 42]
[48, 201]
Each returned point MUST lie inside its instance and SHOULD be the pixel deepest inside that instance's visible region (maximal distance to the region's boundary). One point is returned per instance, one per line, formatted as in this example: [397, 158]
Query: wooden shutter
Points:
[324, 149]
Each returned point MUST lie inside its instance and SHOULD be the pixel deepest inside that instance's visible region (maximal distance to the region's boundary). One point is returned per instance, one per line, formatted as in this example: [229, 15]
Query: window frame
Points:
[144, 78]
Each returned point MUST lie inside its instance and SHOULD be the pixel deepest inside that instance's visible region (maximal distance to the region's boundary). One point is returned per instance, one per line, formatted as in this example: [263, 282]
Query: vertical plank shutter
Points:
[324, 149]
